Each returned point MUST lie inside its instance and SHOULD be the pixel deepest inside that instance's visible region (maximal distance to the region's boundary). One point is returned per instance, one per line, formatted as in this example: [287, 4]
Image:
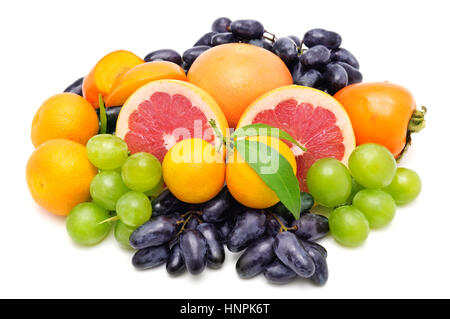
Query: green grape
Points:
[106, 189]
[106, 151]
[141, 172]
[378, 207]
[349, 226]
[83, 224]
[329, 182]
[134, 209]
[155, 191]
[122, 234]
[355, 189]
[372, 165]
[405, 187]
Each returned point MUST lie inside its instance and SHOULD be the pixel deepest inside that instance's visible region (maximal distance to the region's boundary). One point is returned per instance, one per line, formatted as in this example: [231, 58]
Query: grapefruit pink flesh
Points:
[315, 119]
[162, 113]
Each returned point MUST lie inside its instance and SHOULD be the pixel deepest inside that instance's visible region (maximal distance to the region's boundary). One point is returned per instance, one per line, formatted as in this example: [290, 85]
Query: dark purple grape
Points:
[310, 78]
[273, 226]
[286, 49]
[164, 55]
[166, 203]
[190, 55]
[217, 209]
[278, 273]
[320, 276]
[75, 87]
[112, 113]
[175, 263]
[205, 39]
[296, 68]
[215, 252]
[185, 67]
[316, 57]
[344, 55]
[223, 38]
[262, 43]
[256, 257]
[155, 232]
[151, 257]
[335, 78]
[224, 229]
[311, 226]
[314, 37]
[307, 202]
[296, 40]
[291, 252]
[312, 245]
[247, 29]
[249, 226]
[354, 76]
[192, 223]
[193, 249]
[221, 25]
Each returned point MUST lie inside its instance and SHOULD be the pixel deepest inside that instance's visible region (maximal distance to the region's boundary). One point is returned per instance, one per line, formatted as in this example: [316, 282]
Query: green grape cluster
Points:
[365, 196]
[120, 192]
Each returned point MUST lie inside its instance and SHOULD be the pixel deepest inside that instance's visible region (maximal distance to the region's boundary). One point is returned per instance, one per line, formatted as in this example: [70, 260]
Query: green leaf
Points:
[103, 119]
[275, 170]
[260, 129]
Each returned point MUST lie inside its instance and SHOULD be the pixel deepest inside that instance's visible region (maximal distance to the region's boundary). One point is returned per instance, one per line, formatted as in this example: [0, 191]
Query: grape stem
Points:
[272, 37]
[282, 226]
[111, 219]
[184, 223]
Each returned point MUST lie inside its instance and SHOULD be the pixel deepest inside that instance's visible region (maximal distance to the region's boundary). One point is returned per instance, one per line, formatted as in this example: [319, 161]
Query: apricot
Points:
[141, 74]
[103, 75]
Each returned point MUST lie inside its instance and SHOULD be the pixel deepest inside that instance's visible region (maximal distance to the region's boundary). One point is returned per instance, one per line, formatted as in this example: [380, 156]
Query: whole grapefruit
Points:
[236, 74]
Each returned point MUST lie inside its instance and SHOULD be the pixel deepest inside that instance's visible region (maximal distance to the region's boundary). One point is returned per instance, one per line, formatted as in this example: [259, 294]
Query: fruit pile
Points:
[236, 143]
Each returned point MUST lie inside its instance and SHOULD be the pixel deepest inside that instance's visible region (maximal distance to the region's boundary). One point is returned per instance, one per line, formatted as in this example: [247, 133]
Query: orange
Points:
[236, 74]
[380, 113]
[244, 183]
[103, 75]
[141, 74]
[193, 171]
[64, 115]
[59, 174]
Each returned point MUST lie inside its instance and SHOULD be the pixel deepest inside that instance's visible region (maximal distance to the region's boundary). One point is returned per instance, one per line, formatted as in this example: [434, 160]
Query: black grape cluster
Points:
[287, 248]
[324, 65]
[183, 236]
[193, 237]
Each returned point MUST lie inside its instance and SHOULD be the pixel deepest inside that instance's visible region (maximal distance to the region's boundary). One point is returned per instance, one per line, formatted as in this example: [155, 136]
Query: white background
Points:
[45, 45]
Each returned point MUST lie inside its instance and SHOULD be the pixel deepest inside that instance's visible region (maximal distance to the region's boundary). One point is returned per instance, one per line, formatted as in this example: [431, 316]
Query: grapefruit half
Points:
[164, 112]
[315, 119]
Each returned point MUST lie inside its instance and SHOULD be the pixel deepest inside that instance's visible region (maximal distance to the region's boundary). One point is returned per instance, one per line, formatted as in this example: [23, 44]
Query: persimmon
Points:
[382, 113]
